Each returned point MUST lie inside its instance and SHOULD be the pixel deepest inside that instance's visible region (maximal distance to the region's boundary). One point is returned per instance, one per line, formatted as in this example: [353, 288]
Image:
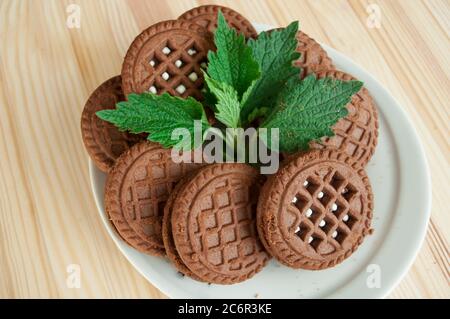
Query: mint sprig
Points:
[158, 115]
[274, 51]
[233, 62]
[231, 74]
[228, 106]
[307, 109]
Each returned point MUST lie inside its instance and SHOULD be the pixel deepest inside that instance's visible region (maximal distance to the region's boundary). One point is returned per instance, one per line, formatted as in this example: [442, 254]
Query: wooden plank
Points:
[48, 218]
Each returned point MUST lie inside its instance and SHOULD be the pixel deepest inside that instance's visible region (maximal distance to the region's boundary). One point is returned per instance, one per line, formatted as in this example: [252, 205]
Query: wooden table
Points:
[48, 219]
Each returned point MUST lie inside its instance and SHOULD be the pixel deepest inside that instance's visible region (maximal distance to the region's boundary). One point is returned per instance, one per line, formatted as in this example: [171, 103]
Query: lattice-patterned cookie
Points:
[206, 16]
[316, 210]
[136, 192]
[167, 57]
[213, 224]
[357, 133]
[313, 58]
[169, 244]
[103, 141]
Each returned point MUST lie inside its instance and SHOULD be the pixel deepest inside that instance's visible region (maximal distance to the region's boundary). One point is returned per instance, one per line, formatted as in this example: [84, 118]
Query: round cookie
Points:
[357, 133]
[103, 141]
[214, 224]
[313, 58]
[136, 191]
[169, 243]
[167, 57]
[206, 16]
[316, 211]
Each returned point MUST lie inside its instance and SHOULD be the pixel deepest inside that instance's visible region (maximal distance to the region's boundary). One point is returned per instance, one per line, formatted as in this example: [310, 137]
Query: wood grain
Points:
[48, 218]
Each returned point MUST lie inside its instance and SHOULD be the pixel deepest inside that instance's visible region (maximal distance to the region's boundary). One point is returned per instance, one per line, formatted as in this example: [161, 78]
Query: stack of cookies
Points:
[221, 223]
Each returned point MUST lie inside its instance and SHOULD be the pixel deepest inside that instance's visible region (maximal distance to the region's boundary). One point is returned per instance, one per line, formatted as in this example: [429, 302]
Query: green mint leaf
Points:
[233, 62]
[228, 105]
[306, 110]
[274, 51]
[249, 91]
[157, 115]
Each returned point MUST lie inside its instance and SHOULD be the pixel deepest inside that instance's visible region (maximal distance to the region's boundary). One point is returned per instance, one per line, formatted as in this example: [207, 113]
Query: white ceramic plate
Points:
[401, 184]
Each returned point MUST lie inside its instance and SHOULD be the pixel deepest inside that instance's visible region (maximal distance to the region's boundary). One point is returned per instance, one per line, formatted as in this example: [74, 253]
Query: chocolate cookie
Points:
[357, 133]
[213, 224]
[169, 243]
[136, 191]
[313, 58]
[316, 211]
[167, 57]
[103, 141]
[206, 16]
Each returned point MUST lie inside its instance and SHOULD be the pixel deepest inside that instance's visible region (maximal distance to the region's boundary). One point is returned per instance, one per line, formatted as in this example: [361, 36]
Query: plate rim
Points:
[419, 160]
[424, 178]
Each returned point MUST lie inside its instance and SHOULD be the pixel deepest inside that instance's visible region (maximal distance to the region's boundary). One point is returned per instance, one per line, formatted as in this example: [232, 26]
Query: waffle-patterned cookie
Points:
[136, 192]
[103, 141]
[316, 211]
[206, 16]
[167, 57]
[357, 133]
[169, 243]
[313, 58]
[213, 224]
